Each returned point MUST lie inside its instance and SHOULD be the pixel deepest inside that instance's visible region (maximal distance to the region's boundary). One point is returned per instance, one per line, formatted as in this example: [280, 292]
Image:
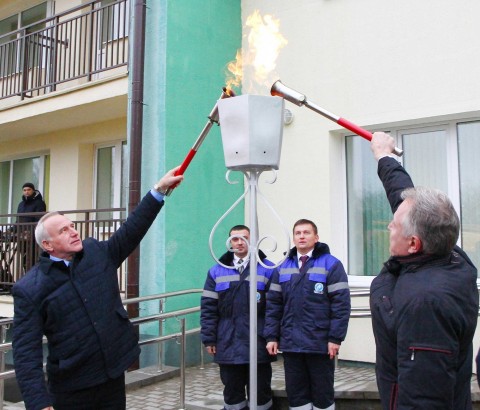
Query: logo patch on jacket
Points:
[258, 297]
[318, 288]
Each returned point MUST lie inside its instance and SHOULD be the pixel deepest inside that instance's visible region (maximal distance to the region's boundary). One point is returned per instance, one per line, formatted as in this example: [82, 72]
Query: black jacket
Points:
[29, 204]
[424, 315]
[78, 308]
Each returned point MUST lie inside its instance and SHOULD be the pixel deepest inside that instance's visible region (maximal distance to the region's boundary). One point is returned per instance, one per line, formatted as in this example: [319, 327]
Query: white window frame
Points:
[450, 128]
[13, 191]
[117, 173]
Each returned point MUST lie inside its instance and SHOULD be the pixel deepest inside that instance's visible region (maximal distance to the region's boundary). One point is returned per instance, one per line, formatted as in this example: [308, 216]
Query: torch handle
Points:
[363, 133]
[181, 170]
[186, 162]
[212, 118]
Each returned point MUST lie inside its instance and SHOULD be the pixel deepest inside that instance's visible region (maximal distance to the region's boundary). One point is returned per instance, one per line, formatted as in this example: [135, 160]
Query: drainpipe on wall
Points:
[136, 75]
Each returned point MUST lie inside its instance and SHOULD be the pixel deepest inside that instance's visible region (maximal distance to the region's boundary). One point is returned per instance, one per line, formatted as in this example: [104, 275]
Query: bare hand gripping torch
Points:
[281, 90]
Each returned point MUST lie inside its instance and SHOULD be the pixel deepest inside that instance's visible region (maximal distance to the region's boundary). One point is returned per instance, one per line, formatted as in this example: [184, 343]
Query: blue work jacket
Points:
[307, 310]
[225, 311]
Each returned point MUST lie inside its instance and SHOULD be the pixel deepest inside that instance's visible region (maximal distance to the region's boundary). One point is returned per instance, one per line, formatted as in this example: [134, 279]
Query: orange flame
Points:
[258, 62]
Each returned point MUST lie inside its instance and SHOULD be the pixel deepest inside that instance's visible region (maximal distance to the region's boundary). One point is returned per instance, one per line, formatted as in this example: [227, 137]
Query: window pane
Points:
[24, 170]
[425, 158]
[368, 211]
[124, 184]
[469, 165]
[33, 15]
[105, 161]
[8, 48]
[113, 20]
[4, 187]
[6, 26]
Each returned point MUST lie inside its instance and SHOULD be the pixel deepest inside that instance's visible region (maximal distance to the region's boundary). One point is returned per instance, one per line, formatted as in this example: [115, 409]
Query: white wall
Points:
[377, 63]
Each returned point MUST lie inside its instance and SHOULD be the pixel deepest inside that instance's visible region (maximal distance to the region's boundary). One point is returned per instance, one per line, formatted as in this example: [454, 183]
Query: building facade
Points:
[408, 68]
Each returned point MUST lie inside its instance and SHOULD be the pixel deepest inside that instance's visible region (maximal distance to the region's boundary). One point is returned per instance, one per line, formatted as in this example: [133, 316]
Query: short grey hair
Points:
[41, 233]
[432, 218]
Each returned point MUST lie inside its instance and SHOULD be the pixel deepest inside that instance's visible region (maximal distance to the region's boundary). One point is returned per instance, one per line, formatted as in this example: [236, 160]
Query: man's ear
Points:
[47, 246]
[415, 245]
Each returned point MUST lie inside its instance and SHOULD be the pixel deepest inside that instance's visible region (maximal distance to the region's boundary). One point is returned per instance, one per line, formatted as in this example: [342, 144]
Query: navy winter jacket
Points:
[305, 311]
[78, 308]
[225, 311]
[424, 314]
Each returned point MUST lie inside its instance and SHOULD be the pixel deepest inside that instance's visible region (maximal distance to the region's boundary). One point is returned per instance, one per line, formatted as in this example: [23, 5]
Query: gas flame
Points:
[258, 61]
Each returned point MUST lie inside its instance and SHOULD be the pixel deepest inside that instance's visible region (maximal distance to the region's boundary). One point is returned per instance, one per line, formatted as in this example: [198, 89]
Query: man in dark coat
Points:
[225, 321]
[32, 201]
[424, 302]
[72, 297]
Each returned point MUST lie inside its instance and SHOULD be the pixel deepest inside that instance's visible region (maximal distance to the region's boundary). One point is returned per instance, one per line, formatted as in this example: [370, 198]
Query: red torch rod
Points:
[212, 118]
[281, 90]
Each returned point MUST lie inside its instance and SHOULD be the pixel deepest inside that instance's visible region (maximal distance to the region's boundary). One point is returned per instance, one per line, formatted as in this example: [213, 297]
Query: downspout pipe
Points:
[135, 130]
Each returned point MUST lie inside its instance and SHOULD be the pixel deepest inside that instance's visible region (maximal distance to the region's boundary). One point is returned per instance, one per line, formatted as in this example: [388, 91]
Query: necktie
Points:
[240, 266]
[303, 259]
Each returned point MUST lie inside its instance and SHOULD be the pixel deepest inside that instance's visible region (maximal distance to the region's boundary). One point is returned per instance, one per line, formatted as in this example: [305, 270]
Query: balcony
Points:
[84, 44]
[19, 252]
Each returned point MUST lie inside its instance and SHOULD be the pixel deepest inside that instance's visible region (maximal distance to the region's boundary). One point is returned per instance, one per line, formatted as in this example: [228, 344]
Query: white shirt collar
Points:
[54, 258]
[309, 254]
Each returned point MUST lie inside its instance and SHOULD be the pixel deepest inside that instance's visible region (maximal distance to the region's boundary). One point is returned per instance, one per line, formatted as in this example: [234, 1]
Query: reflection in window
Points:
[426, 158]
[111, 177]
[431, 160]
[368, 211]
[469, 147]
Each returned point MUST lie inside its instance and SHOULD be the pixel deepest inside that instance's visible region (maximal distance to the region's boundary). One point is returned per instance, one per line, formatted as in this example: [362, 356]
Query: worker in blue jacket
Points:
[424, 302]
[308, 309]
[225, 322]
[72, 297]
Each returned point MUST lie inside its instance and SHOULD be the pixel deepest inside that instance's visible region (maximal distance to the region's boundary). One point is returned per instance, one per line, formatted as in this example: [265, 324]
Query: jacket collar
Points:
[319, 250]
[411, 263]
[227, 257]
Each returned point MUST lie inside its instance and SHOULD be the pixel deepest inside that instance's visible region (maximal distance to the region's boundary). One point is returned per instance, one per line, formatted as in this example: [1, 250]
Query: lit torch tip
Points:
[229, 92]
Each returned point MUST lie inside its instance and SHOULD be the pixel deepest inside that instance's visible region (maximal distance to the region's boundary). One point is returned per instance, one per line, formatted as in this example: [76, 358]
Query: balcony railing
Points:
[71, 48]
[19, 252]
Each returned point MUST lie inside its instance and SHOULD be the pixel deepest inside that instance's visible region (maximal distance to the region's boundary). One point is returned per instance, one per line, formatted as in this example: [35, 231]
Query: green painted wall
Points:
[188, 44]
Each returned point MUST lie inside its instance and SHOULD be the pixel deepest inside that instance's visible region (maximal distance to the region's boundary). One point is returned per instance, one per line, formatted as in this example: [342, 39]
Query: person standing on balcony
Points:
[72, 297]
[225, 322]
[424, 302]
[308, 309]
[32, 201]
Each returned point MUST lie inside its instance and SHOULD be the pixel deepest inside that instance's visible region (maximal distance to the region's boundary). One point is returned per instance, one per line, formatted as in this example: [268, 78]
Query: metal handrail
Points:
[76, 44]
[178, 314]
[357, 312]
[18, 252]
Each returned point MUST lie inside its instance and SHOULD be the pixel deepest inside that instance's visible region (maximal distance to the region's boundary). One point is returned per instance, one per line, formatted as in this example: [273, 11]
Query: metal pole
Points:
[253, 182]
[135, 130]
[202, 359]
[3, 335]
[160, 334]
[182, 365]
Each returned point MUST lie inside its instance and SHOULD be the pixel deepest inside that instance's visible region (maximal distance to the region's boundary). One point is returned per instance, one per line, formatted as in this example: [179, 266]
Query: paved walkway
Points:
[149, 389]
[204, 388]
